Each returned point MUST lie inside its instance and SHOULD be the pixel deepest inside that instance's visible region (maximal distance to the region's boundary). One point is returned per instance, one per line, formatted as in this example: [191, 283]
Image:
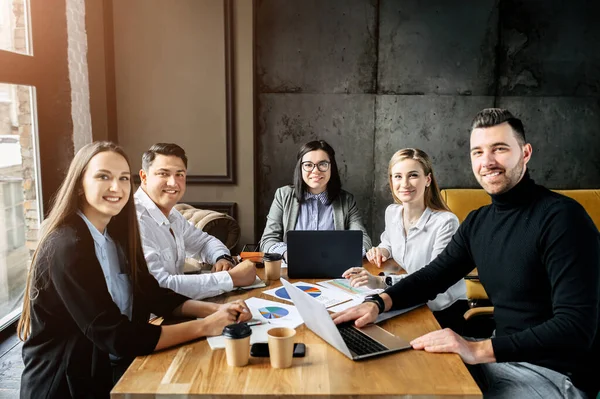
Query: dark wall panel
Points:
[563, 132]
[437, 46]
[316, 46]
[550, 48]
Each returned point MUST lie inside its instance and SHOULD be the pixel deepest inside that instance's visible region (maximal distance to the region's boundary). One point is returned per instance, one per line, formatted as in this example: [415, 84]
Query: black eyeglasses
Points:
[323, 166]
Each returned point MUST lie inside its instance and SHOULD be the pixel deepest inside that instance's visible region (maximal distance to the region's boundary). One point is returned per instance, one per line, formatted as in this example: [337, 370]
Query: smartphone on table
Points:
[261, 349]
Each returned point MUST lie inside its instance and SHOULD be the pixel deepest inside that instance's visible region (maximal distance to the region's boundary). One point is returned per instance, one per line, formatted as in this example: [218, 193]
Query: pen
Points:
[254, 323]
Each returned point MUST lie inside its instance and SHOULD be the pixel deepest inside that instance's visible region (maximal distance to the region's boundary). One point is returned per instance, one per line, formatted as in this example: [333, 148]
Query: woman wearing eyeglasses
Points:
[316, 201]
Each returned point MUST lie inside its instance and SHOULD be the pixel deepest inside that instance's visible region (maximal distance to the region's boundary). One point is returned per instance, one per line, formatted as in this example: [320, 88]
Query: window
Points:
[14, 26]
[36, 133]
[19, 216]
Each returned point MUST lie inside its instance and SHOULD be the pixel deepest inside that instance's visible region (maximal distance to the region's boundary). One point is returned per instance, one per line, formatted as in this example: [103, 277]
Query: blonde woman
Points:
[417, 228]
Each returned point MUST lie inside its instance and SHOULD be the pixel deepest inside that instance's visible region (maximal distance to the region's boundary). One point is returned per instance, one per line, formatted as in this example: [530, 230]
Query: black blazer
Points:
[75, 324]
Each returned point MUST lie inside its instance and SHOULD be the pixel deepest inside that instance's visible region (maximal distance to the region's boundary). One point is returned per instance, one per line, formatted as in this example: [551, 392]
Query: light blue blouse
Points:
[118, 283]
[314, 214]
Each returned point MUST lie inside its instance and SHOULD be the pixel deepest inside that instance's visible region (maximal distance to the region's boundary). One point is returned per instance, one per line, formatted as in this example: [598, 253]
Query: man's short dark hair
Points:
[162, 149]
[495, 116]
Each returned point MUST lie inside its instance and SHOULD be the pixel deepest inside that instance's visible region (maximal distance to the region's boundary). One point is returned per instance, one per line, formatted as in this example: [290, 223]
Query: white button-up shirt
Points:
[165, 253]
[425, 241]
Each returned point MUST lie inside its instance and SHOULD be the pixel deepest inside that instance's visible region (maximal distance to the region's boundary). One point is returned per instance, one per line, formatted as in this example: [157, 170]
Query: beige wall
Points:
[170, 78]
[243, 192]
[169, 85]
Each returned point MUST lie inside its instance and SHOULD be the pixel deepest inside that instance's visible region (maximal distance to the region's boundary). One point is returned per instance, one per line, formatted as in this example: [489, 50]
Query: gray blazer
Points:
[283, 216]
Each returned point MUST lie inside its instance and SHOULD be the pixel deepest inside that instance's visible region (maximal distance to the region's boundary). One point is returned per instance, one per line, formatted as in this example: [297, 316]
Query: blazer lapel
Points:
[293, 215]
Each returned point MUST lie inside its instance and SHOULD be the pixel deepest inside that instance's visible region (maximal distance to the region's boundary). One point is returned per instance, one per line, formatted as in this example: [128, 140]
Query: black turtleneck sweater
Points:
[538, 257]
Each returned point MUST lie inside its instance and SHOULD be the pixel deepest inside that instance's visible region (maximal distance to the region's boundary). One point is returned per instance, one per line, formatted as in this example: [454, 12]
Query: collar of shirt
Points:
[146, 202]
[422, 220]
[322, 197]
[99, 238]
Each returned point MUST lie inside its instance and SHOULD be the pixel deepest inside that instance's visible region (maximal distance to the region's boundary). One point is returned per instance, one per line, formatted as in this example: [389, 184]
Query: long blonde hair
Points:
[123, 227]
[433, 197]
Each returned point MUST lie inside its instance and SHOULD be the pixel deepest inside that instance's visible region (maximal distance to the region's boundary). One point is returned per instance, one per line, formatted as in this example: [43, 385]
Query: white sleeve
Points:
[162, 266]
[201, 244]
[385, 240]
[444, 235]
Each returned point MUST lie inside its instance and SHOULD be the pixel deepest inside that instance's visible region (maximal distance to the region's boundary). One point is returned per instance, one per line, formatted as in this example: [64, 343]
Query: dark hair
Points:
[334, 186]
[162, 149]
[495, 116]
[66, 202]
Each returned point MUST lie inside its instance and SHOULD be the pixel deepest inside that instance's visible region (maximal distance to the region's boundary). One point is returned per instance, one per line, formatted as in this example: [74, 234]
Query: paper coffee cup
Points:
[281, 346]
[272, 263]
[237, 344]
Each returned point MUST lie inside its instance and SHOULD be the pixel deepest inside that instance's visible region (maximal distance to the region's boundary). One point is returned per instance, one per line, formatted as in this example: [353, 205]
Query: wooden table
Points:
[193, 370]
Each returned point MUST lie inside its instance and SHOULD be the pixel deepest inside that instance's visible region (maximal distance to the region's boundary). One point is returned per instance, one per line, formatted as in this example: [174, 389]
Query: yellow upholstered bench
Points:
[462, 201]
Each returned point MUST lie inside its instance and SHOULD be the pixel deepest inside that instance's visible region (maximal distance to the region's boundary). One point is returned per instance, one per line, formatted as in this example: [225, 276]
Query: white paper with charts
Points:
[271, 314]
[358, 294]
[327, 297]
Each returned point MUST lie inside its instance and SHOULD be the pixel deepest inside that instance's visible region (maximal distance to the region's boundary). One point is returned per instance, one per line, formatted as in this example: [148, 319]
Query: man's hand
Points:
[243, 274]
[446, 340]
[364, 314]
[222, 265]
[377, 256]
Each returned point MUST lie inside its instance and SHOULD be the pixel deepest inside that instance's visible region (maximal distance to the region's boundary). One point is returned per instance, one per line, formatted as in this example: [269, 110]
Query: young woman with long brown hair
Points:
[418, 226]
[89, 293]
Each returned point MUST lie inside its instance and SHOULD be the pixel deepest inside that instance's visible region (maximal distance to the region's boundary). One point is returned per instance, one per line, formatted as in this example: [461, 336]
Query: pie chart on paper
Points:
[312, 291]
[273, 312]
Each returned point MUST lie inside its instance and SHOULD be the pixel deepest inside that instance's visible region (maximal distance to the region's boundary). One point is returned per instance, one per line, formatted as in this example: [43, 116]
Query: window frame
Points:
[46, 70]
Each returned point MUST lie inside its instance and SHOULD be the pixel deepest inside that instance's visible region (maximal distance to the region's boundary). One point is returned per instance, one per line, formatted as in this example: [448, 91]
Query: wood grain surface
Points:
[193, 370]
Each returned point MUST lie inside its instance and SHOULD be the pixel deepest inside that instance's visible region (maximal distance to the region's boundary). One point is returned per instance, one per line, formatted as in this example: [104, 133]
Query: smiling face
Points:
[315, 179]
[409, 181]
[106, 187]
[165, 181]
[497, 159]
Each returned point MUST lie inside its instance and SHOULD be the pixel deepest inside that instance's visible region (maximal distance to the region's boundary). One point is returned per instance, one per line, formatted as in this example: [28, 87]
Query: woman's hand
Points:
[377, 256]
[359, 276]
[239, 309]
[227, 313]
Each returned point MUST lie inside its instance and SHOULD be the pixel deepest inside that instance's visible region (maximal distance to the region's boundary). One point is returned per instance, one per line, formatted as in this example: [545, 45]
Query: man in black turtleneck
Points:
[538, 257]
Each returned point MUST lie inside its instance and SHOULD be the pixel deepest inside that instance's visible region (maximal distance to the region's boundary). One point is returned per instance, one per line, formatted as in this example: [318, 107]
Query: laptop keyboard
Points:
[357, 342]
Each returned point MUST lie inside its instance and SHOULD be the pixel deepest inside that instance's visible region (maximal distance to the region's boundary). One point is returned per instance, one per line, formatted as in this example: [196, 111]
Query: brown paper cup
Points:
[281, 346]
[273, 269]
[237, 351]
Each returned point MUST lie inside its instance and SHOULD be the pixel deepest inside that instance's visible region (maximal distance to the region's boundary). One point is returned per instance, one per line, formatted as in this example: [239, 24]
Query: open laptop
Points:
[323, 253]
[353, 342]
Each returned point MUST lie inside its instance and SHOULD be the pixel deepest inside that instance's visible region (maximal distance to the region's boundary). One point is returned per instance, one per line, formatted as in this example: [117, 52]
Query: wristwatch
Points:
[227, 258]
[389, 281]
[377, 300]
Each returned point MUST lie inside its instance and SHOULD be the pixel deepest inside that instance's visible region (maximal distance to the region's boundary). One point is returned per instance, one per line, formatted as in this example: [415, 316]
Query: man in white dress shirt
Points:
[167, 237]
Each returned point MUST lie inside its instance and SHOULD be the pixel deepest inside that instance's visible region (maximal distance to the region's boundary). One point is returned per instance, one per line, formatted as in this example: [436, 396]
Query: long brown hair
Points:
[433, 197]
[67, 201]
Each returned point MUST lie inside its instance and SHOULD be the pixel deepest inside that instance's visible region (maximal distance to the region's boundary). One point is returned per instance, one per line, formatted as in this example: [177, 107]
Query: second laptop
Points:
[323, 254]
